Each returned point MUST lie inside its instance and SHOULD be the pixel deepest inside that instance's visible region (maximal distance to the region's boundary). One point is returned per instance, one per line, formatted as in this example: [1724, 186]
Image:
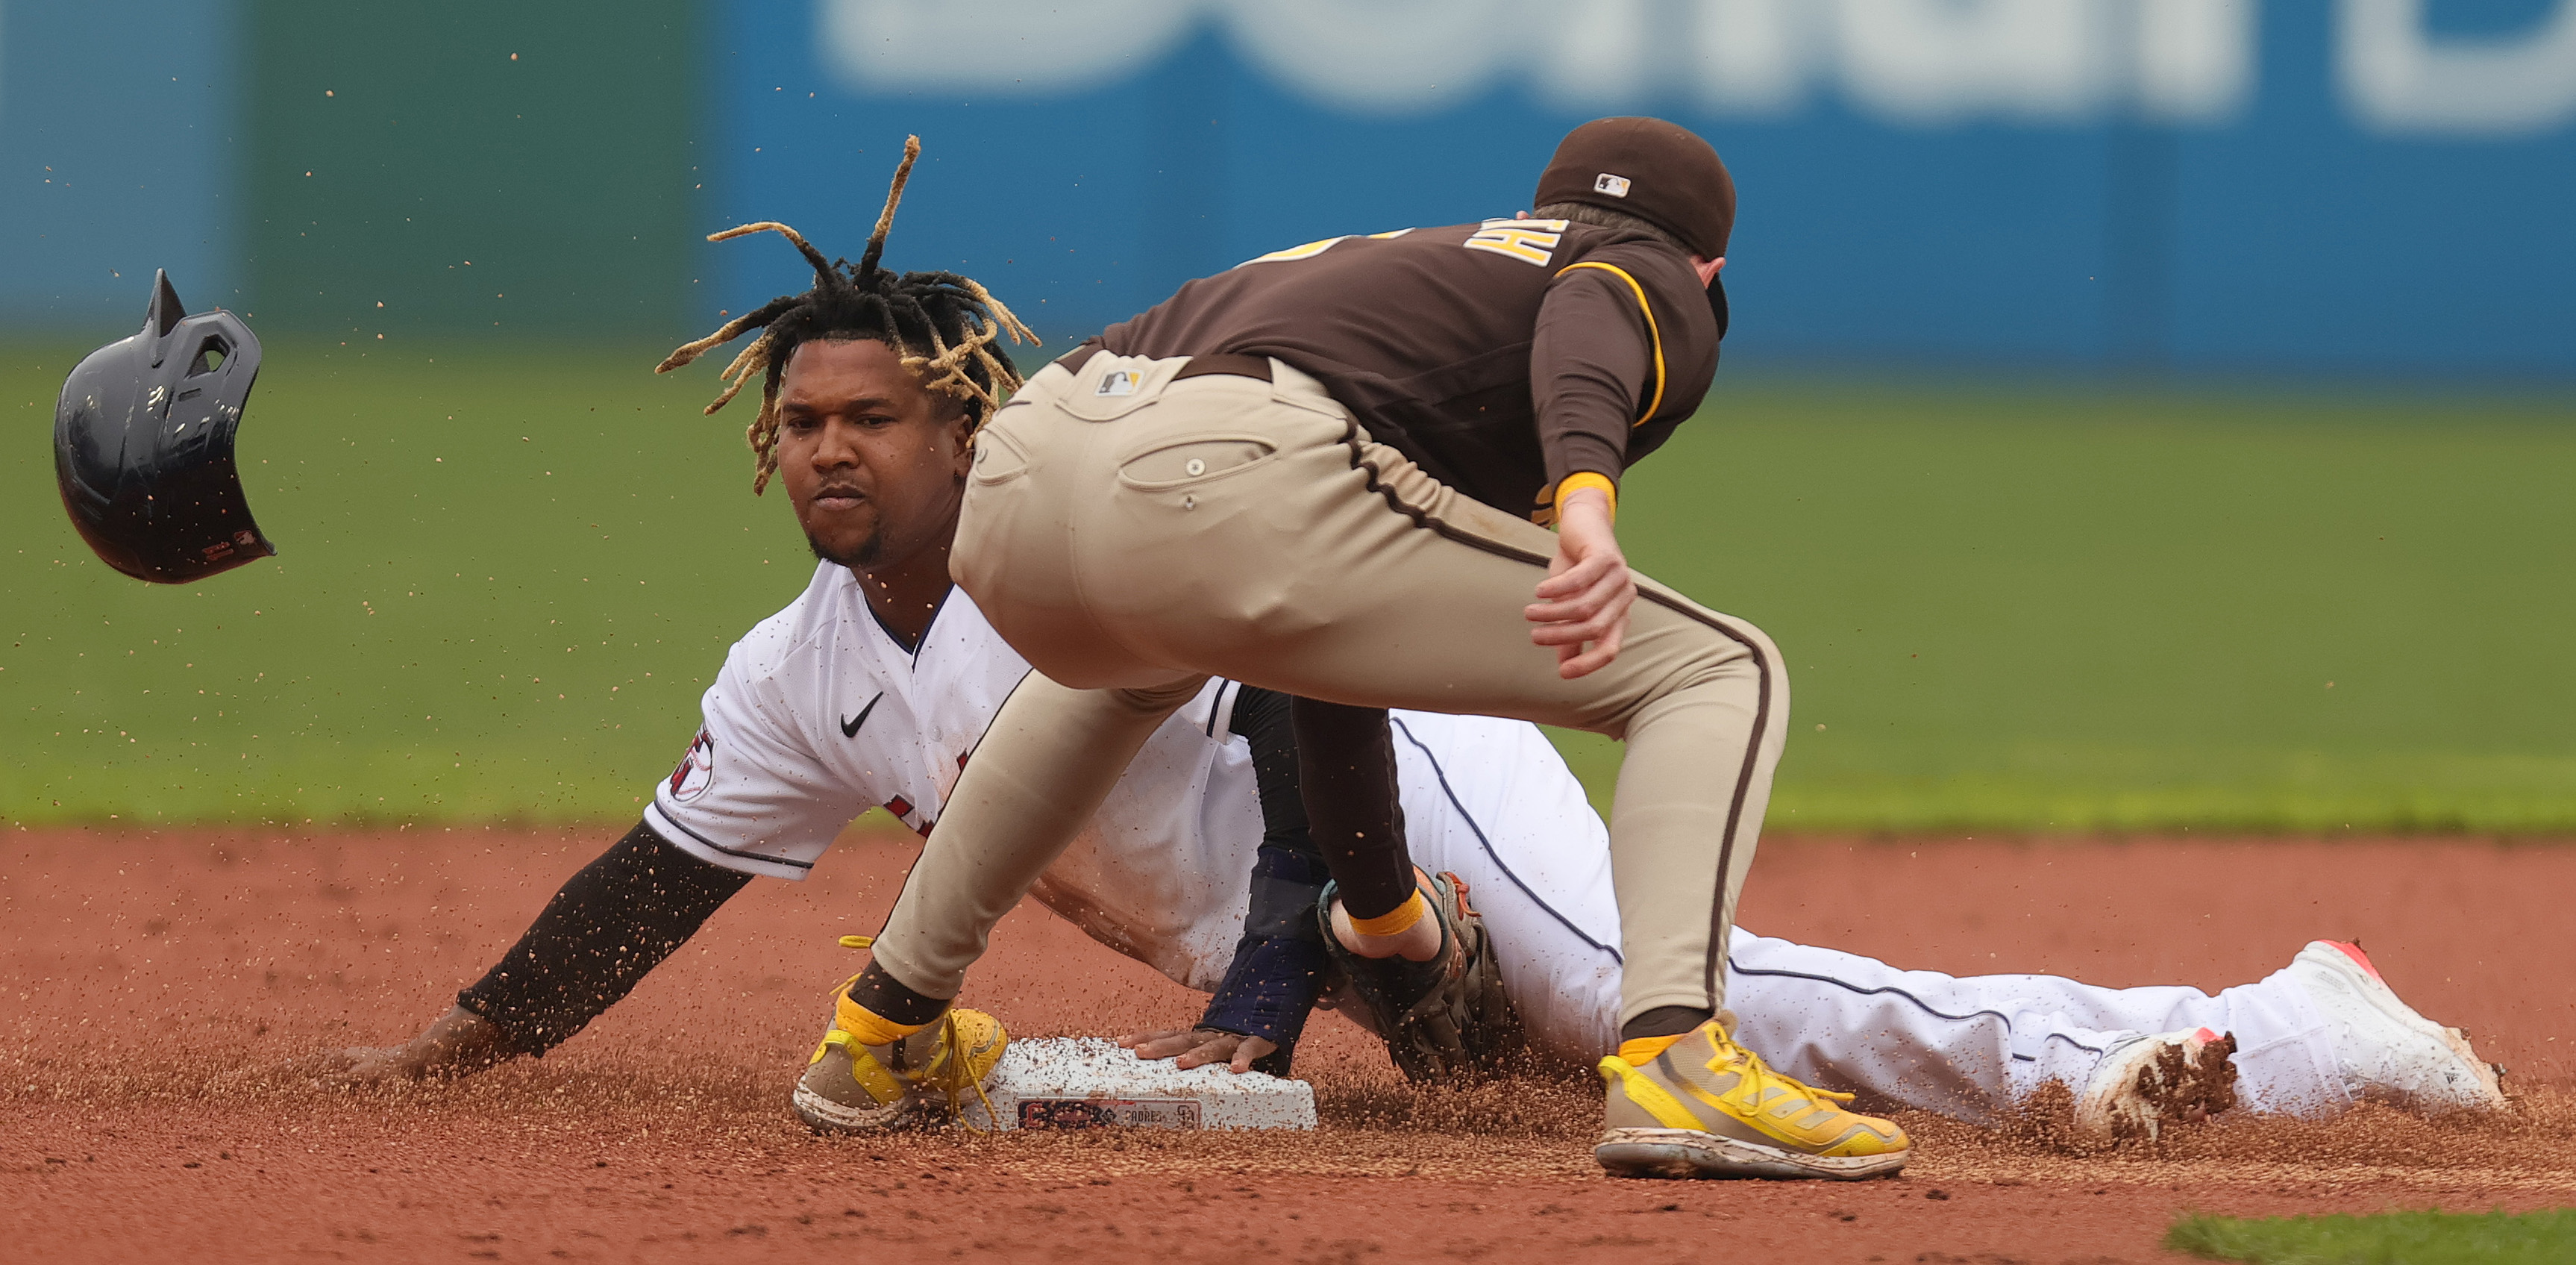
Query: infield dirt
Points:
[162, 983]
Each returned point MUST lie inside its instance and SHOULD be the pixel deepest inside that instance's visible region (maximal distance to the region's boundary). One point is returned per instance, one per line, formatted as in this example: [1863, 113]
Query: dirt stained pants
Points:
[1132, 535]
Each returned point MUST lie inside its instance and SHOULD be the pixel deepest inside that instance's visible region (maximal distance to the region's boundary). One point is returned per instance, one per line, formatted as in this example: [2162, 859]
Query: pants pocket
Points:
[998, 459]
[1193, 461]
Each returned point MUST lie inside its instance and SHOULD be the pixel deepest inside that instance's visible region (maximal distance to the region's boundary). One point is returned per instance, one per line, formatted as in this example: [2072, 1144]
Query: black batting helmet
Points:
[143, 445]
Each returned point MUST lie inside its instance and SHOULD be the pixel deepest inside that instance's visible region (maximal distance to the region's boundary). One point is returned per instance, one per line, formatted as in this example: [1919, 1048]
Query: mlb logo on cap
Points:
[1615, 186]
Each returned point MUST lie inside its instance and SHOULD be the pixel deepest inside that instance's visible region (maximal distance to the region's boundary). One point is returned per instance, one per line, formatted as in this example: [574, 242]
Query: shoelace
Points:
[1759, 1077]
[948, 1071]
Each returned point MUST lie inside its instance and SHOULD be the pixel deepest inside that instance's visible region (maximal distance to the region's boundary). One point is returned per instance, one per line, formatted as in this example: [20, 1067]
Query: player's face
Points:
[874, 464]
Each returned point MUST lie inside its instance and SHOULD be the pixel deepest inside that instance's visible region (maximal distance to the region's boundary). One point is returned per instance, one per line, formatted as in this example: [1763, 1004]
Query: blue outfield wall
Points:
[2305, 187]
[118, 131]
[2370, 187]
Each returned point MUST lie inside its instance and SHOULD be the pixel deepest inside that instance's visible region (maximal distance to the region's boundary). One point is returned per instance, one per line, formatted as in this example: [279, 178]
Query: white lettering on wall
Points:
[999, 47]
[2398, 78]
[1752, 56]
[2195, 59]
[1922, 63]
[1388, 56]
[1942, 61]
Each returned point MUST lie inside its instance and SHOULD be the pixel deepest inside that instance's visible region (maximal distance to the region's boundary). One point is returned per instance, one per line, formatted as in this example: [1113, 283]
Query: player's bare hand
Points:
[458, 1043]
[1198, 1047]
[1582, 606]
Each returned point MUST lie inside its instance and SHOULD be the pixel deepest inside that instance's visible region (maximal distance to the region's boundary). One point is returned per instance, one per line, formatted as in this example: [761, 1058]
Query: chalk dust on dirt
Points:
[162, 986]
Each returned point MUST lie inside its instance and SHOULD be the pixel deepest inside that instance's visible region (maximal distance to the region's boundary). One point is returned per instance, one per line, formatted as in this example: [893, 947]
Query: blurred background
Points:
[2139, 415]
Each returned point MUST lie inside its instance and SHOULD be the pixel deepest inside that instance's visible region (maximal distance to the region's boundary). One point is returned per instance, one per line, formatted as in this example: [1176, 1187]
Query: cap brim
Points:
[1717, 302]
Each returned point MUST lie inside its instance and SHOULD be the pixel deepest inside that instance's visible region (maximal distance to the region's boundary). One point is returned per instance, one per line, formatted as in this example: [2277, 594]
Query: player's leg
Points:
[1281, 548]
[1974, 1047]
[1051, 755]
[1049, 758]
[1492, 801]
[1347, 776]
[1245, 528]
[1978, 1046]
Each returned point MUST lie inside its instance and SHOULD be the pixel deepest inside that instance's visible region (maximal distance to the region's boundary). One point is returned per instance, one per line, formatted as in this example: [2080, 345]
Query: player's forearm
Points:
[1271, 985]
[607, 928]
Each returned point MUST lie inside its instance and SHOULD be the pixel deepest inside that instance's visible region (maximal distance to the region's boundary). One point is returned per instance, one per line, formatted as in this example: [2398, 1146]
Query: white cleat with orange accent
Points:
[2385, 1051]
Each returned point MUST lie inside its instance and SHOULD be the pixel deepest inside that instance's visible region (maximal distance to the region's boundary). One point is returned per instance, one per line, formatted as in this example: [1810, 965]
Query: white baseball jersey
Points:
[819, 714]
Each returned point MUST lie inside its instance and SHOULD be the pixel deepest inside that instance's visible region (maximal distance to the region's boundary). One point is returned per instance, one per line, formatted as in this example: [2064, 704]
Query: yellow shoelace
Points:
[1759, 1076]
[948, 1071]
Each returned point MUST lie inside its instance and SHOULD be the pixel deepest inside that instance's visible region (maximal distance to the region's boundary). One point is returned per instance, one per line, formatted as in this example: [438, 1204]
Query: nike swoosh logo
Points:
[850, 727]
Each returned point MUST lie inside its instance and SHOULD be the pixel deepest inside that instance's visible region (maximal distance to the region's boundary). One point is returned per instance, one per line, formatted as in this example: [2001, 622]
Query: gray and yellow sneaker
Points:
[1699, 1105]
[850, 1086]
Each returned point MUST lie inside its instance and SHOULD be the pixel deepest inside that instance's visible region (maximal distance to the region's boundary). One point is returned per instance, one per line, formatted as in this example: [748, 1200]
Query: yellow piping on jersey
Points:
[1653, 333]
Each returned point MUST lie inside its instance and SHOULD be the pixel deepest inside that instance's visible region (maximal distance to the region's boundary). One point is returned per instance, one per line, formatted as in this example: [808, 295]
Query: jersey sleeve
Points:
[1618, 343]
[750, 794]
[1591, 360]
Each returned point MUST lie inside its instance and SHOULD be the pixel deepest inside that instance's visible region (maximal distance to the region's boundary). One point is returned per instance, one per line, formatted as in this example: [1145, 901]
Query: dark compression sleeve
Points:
[610, 924]
[1279, 964]
[1346, 770]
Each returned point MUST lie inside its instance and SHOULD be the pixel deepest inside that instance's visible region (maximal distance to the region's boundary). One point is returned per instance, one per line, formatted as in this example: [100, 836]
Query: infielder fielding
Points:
[1316, 473]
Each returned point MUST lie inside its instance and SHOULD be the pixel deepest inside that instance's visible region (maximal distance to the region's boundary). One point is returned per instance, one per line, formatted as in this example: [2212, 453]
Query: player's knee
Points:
[1724, 647]
[1758, 646]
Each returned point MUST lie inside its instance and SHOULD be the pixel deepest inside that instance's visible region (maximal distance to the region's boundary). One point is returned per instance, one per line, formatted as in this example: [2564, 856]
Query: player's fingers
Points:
[1582, 606]
[1213, 1047]
[1160, 1044]
[1585, 574]
[1576, 631]
[1580, 592]
[1570, 664]
[1608, 605]
[1252, 1050]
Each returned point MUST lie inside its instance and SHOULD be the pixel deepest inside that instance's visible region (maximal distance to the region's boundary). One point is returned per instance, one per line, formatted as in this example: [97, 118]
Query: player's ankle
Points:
[1665, 1021]
[891, 1001]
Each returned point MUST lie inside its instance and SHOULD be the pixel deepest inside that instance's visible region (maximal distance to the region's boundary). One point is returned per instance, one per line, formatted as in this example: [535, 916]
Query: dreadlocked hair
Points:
[945, 327]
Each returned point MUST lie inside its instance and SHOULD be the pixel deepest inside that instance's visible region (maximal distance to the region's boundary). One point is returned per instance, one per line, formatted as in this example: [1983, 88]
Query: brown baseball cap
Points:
[1660, 172]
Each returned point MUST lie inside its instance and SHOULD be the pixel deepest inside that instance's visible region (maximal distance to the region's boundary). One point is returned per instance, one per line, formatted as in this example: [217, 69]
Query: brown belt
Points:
[1225, 363]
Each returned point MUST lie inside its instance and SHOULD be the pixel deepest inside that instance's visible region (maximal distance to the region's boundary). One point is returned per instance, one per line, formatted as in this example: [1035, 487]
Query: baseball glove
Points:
[1446, 1019]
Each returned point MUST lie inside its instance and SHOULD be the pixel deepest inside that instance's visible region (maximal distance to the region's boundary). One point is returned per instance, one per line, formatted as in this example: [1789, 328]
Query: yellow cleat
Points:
[1699, 1105]
[851, 1086]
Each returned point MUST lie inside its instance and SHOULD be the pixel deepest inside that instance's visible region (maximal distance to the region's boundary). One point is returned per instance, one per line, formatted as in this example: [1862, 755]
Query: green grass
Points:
[2084, 610]
[503, 581]
[2397, 1238]
[508, 575]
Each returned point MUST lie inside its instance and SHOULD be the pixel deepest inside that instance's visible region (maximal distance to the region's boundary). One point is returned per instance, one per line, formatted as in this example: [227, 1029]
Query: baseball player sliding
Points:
[873, 687]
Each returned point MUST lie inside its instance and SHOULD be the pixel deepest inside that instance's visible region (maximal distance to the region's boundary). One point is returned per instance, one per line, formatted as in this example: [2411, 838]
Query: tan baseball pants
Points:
[1132, 535]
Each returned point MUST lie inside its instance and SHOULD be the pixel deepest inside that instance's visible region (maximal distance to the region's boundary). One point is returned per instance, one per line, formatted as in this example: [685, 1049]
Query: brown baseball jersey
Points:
[1501, 356]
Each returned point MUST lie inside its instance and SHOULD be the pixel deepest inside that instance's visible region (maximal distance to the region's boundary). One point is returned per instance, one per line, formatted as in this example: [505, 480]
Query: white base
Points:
[1087, 1082]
